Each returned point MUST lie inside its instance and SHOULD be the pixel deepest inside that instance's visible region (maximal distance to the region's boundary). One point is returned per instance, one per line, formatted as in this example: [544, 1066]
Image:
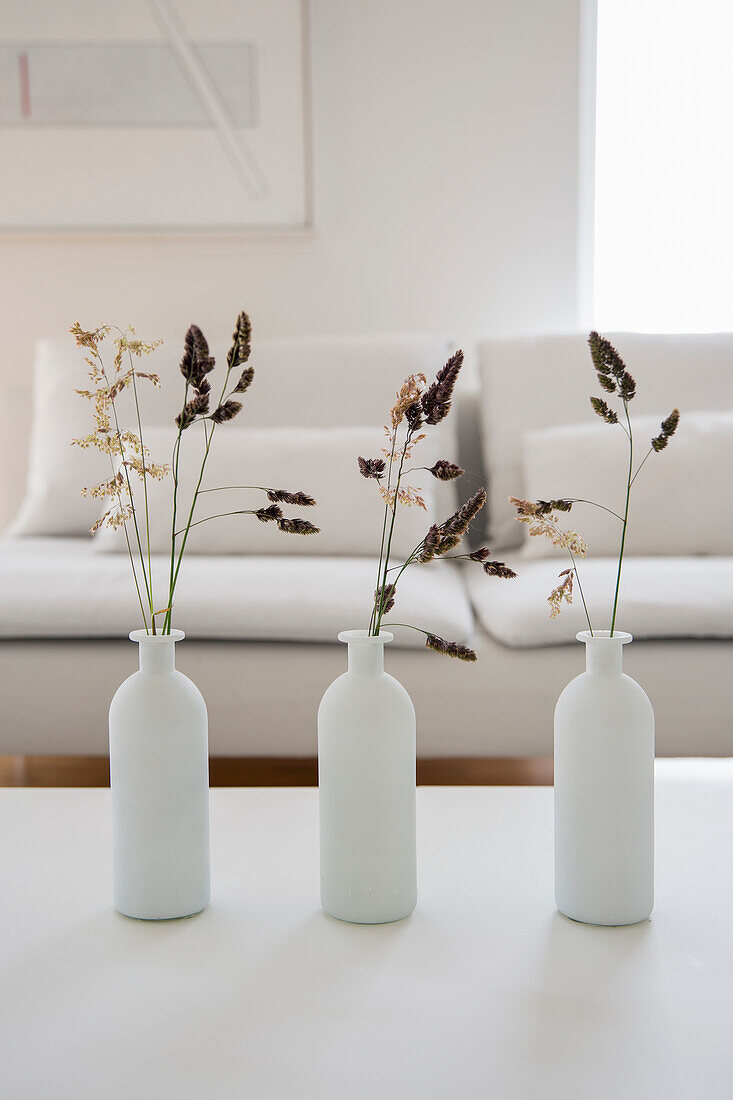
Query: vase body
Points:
[366, 778]
[604, 791]
[159, 775]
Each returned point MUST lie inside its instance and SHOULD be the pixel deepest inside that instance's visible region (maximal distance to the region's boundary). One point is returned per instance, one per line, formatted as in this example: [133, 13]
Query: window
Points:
[664, 166]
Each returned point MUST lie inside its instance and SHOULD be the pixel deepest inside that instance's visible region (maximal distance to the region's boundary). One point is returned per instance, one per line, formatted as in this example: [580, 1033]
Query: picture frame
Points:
[155, 117]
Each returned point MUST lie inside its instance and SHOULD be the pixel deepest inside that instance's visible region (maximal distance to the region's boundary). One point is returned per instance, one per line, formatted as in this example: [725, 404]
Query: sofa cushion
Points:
[320, 461]
[314, 381]
[54, 587]
[541, 382]
[660, 598]
[676, 503]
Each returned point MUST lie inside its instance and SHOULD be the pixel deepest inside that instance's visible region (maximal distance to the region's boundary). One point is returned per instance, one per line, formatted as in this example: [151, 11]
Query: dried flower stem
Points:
[374, 630]
[147, 580]
[189, 522]
[577, 575]
[219, 515]
[432, 641]
[382, 588]
[629, 483]
[582, 500]
[145, 485]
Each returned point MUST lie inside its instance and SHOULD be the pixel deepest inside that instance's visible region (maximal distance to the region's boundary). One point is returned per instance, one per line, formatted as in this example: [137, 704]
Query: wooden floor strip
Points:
[279, 771]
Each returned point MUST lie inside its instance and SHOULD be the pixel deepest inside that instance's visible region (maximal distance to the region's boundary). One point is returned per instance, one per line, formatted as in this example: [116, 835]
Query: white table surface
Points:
[485, 992]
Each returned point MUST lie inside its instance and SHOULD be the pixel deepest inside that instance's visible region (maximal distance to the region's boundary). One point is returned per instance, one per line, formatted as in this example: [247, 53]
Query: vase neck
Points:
[604, 654]
[160, 657]
[365, 652]
[366, 660]
[157, 651]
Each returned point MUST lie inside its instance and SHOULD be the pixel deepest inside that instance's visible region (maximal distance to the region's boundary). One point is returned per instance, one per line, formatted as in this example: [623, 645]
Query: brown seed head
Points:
[372, 467]
[450, 649]
[297, 527]
[282, 495]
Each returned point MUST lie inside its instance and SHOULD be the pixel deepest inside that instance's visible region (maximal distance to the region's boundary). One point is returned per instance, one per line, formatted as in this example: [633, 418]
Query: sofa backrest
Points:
[318, 382]
[539, 382]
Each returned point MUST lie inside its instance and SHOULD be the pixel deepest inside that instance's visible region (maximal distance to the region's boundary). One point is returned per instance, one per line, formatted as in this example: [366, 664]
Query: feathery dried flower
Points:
[436, 401]
[563, 592]
[86, 339]
[385, 597]
[446, 471]
[408, 393]
[540, 507]
[668, 428]
[226, 411]
[297, 527]
[406, 494]
[284, 497]
[602, 409]
[450, 649]
[541, 521]
[272, 512]
[372, 467]
[544, 526]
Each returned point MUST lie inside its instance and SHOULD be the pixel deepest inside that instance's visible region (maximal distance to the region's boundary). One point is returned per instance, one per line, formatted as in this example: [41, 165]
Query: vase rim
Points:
[619, 636]
[142, 636]
[363, 637]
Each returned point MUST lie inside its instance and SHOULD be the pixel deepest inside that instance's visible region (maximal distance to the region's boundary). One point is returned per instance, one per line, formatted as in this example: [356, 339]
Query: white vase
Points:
[366, 776]
[159, 775]
[604, 791]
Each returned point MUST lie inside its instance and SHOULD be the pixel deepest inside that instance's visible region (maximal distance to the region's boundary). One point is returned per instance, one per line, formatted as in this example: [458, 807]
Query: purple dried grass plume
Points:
[602, 409]
[284, 497]
[196, 362]
[430, 545]
[668, 428]
[239, 352]
[226, 411]
[297, 527]
[446, 471]
[197, 406]
[413, 416]
[491, 568]
[455, 527]
[436, 401]
[372, 467]
[245, 380]
[450, 649]
[273, 512]
[498, 569]
[610, 369]
[385, 597]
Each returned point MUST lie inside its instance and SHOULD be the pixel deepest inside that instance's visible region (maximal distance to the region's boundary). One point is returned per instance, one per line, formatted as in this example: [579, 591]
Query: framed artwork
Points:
[153, 115]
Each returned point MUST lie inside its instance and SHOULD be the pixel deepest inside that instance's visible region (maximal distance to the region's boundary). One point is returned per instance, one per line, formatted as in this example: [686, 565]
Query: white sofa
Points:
[261, 631]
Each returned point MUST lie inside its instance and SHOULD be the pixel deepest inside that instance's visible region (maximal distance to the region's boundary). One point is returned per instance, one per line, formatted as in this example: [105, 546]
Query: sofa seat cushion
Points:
[58, 587]
[660, 598]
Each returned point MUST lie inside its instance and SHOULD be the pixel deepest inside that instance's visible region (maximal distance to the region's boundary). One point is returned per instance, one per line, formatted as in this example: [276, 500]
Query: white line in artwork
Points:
[235, 147]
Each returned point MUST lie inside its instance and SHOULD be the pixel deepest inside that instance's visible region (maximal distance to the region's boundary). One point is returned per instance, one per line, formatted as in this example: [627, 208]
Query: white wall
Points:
[445, 192]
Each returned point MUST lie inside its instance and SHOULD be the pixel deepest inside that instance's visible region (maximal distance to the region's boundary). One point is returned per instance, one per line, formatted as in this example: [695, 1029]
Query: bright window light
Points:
[664, 166]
